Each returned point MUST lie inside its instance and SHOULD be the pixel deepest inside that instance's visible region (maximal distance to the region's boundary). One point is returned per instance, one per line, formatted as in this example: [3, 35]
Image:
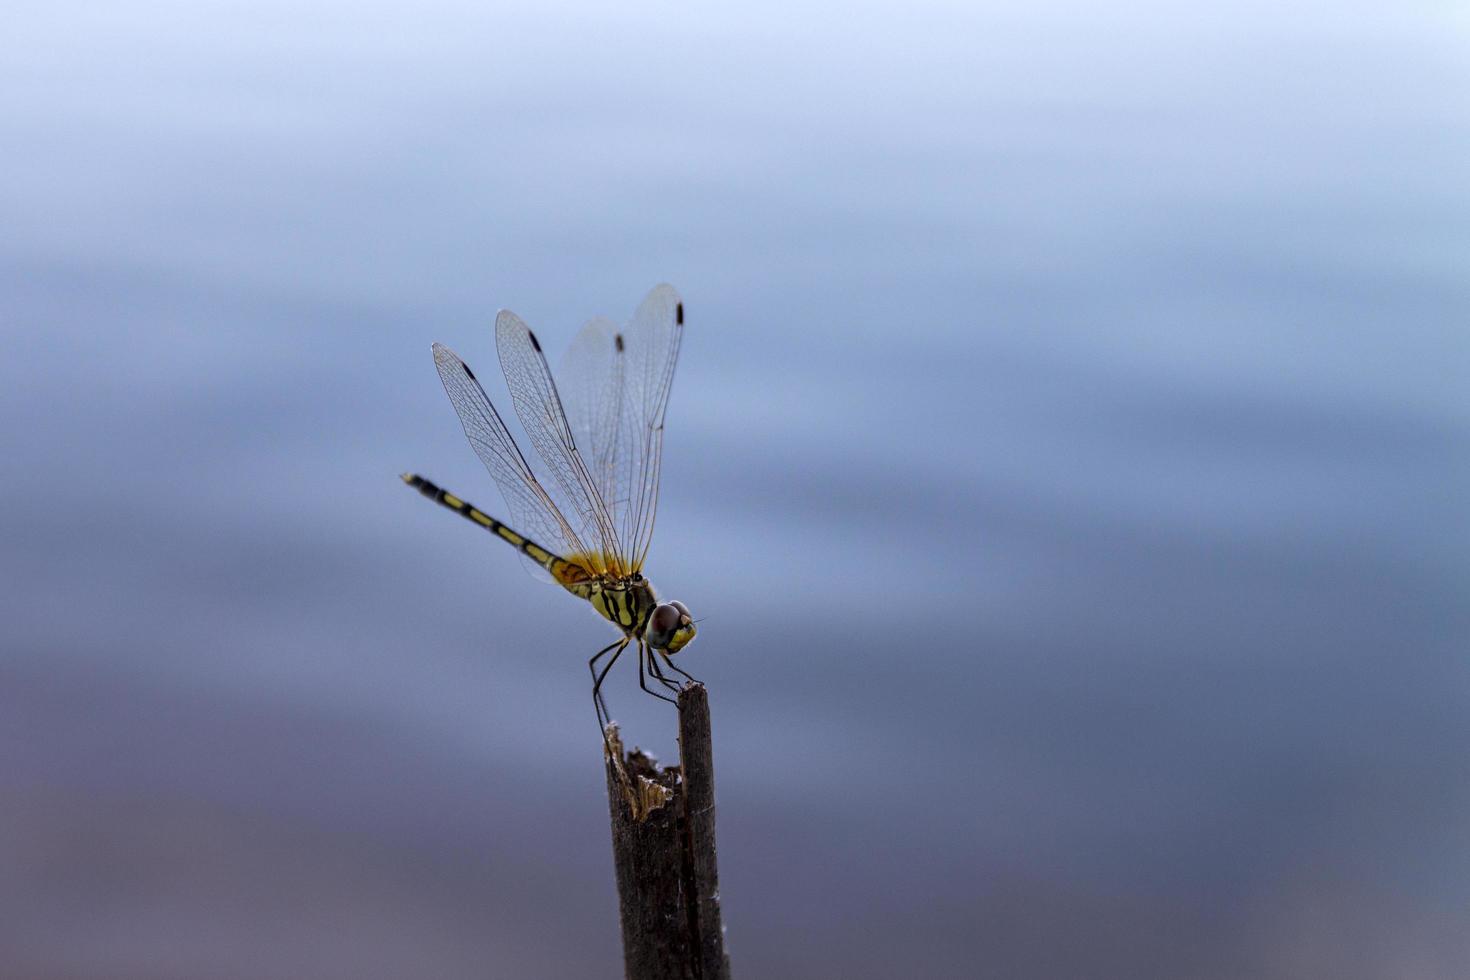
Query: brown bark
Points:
[663, 830]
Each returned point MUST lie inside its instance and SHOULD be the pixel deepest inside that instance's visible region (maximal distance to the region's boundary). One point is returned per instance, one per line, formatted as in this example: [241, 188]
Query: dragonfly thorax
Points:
[626, 601]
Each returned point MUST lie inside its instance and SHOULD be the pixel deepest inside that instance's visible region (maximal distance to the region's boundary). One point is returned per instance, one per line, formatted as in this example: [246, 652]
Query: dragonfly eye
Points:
[665, 620]
[669, 627]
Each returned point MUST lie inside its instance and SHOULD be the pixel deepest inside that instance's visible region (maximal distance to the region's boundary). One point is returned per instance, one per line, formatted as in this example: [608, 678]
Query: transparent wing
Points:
[533, 512]
[650, 352]
[591, 383]
[539, 406]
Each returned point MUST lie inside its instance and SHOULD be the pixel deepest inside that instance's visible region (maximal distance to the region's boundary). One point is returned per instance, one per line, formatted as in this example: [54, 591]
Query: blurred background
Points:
[1068, 452]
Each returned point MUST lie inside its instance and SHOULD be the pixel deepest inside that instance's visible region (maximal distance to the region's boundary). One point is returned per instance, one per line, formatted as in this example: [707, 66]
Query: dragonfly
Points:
[599, 438]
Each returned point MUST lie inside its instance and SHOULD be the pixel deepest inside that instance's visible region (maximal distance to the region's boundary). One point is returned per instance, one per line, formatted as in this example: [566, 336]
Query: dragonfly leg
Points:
[657, 672]
[669, 660]
[598, 704]
[642, 652]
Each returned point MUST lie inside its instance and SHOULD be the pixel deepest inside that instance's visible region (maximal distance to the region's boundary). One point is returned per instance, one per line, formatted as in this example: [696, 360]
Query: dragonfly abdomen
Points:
[566, 573]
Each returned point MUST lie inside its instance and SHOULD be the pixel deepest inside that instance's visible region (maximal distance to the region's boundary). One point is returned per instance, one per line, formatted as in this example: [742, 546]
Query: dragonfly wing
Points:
[539, 407]
[534, 512]
[651, 351]
[591, 383]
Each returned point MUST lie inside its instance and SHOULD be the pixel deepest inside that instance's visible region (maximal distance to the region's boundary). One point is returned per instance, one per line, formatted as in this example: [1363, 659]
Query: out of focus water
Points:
[1069, 454]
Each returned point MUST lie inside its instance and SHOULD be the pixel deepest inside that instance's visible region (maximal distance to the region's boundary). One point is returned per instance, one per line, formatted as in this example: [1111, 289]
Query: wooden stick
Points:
[663, 831]
[696, 761]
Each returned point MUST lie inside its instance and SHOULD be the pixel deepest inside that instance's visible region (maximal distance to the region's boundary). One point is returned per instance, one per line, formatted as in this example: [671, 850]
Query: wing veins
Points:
[501, 456]
[539, 406]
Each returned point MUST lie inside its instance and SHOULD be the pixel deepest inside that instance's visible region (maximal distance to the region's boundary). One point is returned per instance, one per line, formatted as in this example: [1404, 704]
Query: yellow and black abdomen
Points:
[626, 601]
[572, 576]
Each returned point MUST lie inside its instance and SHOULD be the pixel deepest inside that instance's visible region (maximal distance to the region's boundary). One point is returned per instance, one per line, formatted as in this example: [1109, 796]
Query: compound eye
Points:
[683, 609]
[665, 618]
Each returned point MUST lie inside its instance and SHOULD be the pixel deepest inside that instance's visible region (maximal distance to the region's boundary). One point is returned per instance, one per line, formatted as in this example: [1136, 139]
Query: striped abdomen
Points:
[570, 575]
[626, 601]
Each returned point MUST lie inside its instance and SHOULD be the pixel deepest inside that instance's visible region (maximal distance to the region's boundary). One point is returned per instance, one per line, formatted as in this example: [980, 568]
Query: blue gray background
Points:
[1069, 455]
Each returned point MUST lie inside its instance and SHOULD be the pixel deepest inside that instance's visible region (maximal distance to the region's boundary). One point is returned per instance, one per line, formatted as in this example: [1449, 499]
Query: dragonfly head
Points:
[670, 627]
